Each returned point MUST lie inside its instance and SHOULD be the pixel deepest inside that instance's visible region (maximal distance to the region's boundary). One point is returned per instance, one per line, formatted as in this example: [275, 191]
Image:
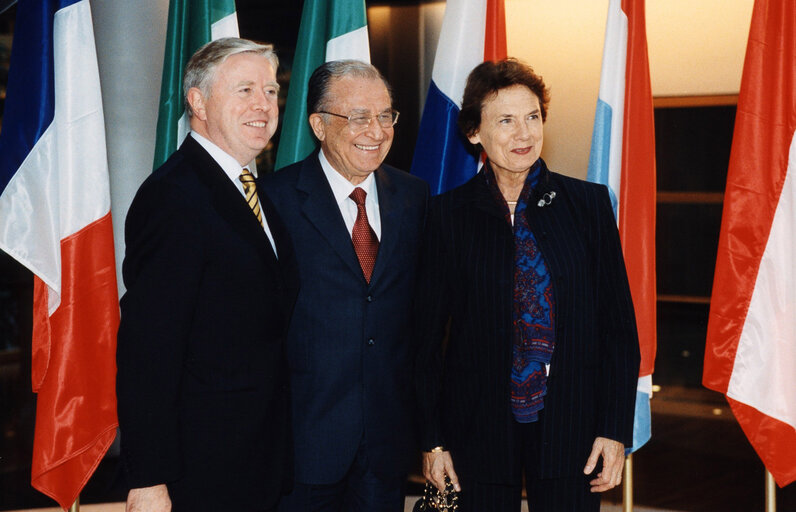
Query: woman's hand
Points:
[613, 454]
[438, 464]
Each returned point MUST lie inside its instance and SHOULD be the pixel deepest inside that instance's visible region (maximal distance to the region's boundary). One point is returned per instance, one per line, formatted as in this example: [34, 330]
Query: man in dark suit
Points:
[356, 226]
[210, 276]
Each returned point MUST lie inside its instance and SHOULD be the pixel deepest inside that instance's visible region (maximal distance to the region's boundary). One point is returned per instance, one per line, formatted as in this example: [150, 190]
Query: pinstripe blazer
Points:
[466, 285]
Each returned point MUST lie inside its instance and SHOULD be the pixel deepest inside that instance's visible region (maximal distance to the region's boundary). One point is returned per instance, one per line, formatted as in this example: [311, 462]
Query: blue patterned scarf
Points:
[533, 316]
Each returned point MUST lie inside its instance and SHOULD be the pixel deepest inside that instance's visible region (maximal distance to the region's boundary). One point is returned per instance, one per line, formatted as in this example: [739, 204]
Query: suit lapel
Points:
[228, 201]
[479, 195]
[391, 214]
[322, 211]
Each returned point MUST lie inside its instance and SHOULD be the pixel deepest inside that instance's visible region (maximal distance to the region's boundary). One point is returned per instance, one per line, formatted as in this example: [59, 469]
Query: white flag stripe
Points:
[645, 385]
[351, 45]
[225, 27]
[463, 21]
[763, 374]
[612, 88]
[30, 225]
[80, 129]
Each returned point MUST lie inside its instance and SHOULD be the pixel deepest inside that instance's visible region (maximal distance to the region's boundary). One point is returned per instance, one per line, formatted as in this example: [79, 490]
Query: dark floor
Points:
[698, 460]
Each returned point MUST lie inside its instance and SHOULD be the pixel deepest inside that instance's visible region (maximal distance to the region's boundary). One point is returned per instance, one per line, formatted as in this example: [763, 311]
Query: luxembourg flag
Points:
[751, 342]
[623, 158]
[55, 220]
[330, 30]
[473, 31]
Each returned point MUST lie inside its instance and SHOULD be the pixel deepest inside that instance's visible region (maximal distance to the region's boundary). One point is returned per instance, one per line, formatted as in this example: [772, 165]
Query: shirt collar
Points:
[227, 162]
[341, 187]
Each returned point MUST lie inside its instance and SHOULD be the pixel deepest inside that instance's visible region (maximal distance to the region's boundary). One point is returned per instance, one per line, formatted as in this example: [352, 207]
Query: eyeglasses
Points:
[359, 122]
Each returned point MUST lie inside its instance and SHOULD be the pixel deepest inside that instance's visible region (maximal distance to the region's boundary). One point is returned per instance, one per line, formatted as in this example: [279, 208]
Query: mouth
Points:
[256, 124]
[363, 147]
[522, 151]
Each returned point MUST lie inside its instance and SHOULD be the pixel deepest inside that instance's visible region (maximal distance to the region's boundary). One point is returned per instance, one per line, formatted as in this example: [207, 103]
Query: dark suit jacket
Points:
[202, 389]
[467, 272]
[348, 343]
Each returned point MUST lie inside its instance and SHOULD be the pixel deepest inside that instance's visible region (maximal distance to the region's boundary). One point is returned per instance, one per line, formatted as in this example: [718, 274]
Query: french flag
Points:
[55, 220]
[623, 158]
[473, 31]
[750, 354]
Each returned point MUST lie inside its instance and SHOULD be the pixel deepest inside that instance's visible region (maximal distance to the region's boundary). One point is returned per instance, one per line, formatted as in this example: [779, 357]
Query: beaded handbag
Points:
[435, 500]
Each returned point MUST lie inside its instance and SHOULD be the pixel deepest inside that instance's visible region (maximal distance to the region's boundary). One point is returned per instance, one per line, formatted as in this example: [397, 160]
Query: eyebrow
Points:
[242, 83]
[367, 110]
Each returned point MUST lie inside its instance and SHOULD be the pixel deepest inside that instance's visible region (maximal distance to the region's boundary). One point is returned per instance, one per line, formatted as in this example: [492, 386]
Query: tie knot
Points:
[358, 195]
[246, 176]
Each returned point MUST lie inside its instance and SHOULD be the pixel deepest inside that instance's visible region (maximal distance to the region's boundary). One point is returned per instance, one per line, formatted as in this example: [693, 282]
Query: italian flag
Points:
[751, 342]
[192, 23]
[330, 30]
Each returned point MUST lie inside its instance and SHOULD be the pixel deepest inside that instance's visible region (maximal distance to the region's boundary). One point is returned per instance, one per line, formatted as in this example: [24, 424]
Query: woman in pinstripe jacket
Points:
[528, 353]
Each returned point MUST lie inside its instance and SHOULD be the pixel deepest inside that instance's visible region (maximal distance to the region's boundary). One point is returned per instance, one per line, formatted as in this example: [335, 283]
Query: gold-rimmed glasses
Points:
[360, 121]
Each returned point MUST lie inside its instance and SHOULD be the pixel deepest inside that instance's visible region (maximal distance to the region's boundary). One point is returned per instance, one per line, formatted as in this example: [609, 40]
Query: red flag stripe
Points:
[495, 35]
[76, 345]
[774, 441]
[638, 185]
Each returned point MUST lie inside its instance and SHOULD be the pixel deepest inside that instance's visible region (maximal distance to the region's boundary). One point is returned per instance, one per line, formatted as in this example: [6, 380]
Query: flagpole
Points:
[76, 505]
[771, 493]
[627, 490]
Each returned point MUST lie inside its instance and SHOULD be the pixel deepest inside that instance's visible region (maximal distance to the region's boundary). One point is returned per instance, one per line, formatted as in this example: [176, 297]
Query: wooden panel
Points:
[694, 101]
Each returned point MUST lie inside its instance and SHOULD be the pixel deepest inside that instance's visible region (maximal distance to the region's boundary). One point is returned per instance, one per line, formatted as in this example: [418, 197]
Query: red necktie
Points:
[365, 242]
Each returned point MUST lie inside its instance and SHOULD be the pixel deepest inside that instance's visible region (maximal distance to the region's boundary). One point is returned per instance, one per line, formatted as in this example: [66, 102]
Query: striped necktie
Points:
[250, 190]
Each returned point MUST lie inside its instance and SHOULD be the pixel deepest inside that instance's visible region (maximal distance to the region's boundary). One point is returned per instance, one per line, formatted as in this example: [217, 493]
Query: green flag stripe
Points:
[188, 28]
[345, 16]
[321, 21]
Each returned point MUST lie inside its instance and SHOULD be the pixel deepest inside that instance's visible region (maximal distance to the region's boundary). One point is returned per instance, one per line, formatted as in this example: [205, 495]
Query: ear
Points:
[474, 139]
[197, 102]
[318, 126]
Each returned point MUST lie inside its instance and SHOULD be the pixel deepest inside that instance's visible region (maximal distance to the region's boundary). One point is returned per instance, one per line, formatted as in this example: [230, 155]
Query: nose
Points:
[262, 102]
[524, 131]
[375, 130]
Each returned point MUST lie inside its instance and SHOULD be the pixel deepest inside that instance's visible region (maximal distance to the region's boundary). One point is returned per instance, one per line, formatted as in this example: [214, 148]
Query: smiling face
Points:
[354, 153]
[511, 129]
[240, 114]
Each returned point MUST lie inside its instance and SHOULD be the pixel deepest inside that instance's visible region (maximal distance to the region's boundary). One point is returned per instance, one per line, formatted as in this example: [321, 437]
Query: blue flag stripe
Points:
[30, 93]
[601, 149]
[443, 157]
[642, 424]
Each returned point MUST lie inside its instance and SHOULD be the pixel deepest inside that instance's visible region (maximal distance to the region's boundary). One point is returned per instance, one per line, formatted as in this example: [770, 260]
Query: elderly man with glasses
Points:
[356, 226]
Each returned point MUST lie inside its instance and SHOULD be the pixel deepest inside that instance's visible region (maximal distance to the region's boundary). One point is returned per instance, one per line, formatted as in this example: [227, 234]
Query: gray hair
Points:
[201, 69]
[320, 82]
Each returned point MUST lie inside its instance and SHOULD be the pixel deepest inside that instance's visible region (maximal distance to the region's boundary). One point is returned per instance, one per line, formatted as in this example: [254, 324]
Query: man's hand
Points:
[149, 499]
[438, 464]
[613, 454]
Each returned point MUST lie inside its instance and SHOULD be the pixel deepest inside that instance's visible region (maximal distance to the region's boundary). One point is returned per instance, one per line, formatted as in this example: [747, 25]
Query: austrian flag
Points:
[751, 342]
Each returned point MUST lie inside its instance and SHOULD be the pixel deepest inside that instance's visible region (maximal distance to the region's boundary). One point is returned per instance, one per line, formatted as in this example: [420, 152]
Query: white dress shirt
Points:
[233, 169]
[342, 188]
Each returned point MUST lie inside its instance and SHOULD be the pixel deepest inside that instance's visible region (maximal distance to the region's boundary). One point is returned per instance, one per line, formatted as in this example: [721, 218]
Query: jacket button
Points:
[371, 342]
[369, 298]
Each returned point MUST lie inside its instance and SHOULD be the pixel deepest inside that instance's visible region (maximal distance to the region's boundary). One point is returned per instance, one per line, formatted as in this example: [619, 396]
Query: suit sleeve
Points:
[430, 316]
[619, 336]
[162, 272]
